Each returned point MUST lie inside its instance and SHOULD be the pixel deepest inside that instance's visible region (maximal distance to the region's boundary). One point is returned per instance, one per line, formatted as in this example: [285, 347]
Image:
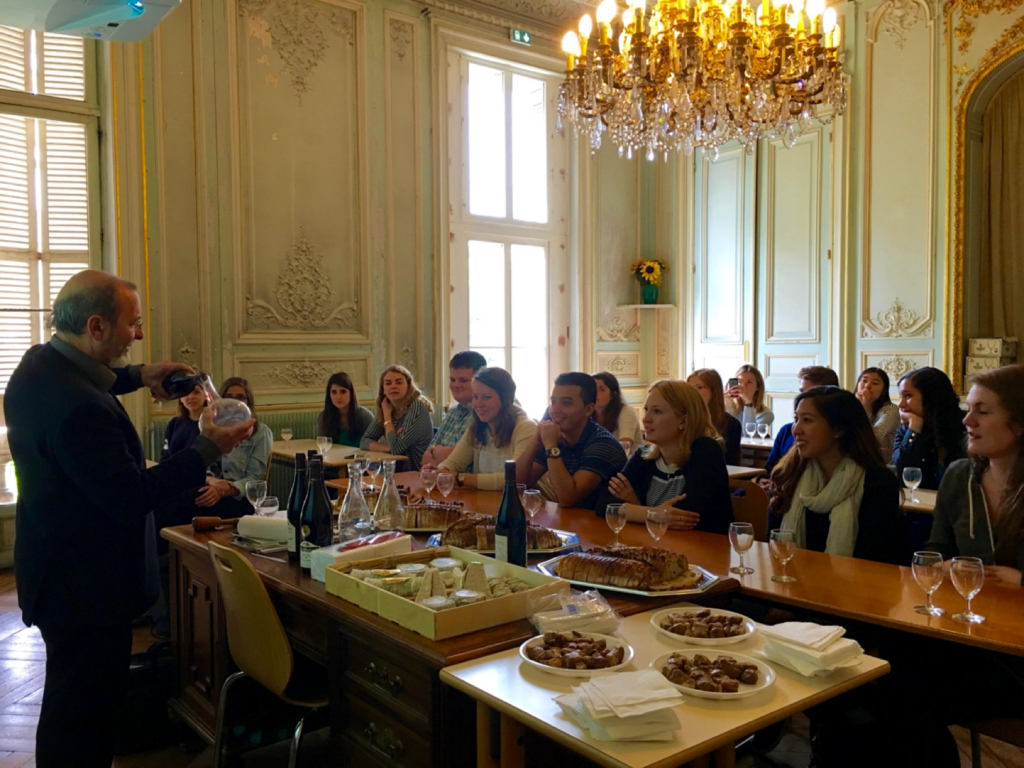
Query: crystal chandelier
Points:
[699, 73]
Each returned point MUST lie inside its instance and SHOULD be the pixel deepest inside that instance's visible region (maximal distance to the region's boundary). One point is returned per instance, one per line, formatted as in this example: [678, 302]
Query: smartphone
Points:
[732, 383]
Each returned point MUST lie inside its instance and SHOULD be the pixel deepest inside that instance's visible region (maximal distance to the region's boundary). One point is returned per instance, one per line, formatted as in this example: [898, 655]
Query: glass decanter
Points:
[225, 411]
[389, 511]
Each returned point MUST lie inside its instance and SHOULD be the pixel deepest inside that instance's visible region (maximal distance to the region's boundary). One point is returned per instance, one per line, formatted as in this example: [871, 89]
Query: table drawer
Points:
[394, 686]
[384, 736]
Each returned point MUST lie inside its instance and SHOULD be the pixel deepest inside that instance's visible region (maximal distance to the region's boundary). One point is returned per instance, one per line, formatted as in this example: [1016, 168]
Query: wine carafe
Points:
[389, 511]
[353, 506]
[225, 411]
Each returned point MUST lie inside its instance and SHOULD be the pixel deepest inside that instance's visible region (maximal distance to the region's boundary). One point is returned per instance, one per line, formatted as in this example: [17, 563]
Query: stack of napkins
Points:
[807, 648]
[628, 706]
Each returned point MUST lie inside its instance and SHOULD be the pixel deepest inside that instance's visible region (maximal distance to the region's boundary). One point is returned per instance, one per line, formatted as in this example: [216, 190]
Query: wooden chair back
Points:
[751, 507]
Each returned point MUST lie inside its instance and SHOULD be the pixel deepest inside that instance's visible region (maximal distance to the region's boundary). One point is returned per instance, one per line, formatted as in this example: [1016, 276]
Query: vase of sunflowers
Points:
[648, 273]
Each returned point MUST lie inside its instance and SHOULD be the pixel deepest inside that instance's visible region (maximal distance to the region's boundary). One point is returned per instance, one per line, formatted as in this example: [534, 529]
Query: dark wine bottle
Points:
[180, 383]
[312, 453]
[296, 497]
[510, 524]
[316, 516]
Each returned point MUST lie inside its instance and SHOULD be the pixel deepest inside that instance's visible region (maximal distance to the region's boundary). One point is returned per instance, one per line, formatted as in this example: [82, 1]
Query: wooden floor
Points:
[22, 668]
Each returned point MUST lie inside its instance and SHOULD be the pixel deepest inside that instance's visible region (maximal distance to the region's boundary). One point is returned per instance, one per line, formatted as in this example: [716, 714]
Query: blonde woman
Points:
[744, 400]
[708, 384]
[402, 425]
[682, 470]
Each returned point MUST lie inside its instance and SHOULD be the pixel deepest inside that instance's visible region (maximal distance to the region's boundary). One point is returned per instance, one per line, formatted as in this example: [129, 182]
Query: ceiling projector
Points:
[120, 20]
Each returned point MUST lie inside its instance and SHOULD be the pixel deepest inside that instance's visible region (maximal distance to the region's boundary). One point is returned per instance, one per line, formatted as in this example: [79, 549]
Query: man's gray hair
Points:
[71, 313]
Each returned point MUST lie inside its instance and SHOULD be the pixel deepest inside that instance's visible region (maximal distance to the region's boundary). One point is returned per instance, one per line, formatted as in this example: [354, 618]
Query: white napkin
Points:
[804, 634]
[654, 726]
[809, 662]
[628, 694]
[269, 528]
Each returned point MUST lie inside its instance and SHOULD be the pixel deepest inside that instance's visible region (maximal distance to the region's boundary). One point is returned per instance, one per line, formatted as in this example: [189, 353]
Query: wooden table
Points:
[518, 691]
[742, 473]
[925, 502]
[754, 452]
[337, 456]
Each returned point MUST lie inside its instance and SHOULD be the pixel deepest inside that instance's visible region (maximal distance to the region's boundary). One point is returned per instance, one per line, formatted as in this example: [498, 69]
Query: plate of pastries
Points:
[705, 675]
[477, 532]
[576, 654]
[703, 626]
[649, 571]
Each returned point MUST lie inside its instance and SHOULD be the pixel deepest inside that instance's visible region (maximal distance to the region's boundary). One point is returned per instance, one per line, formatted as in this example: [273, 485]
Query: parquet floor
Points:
[22, 668]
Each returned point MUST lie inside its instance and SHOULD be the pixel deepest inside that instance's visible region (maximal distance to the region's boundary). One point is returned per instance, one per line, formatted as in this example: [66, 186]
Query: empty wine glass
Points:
[750, 428]
[445, 483]
[782, 543]
[533, 502]
[627, 446]
[968, 575]
[286, 433]
[615, 516]
[741, 536]
[521, 490]
[912, 477]
[429, 478]
[256, 492]
[928, 573]
[657, 523]
[269, 506]
[374, 469]
[762, 431]
[323, 444]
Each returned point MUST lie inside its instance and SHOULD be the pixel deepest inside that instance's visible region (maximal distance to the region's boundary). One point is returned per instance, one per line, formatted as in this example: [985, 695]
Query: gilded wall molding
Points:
[545, 18]
[617, 329]
[295, 30]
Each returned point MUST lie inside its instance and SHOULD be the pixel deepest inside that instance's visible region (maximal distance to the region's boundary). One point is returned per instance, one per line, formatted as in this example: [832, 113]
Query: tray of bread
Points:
[477, 532]
[646, 571]
[421, 517]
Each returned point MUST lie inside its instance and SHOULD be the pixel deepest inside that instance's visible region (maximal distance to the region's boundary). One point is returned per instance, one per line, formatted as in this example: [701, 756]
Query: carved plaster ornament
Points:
[898, 18]
[401, 38]
[618, 364]
[303, 294]
[895, 322]
[406, 359]
[304, 373]
[896, 367]
[187, 355]
[296, 31]
[617, 329]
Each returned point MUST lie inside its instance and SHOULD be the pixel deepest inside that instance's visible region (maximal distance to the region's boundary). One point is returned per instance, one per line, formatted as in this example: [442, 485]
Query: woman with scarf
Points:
[833, 489]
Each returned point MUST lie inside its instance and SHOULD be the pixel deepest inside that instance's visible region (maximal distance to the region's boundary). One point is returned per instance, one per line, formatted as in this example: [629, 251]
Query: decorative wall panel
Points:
[622, 364]
[307, 374]
[896, 362]
[722, 257]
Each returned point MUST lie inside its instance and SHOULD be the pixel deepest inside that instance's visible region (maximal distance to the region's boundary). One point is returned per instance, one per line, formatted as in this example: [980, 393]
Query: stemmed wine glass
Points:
[373, 467]
[928, 573]
[521, 490]
[286, 433]
[657, 523]
[429, 478]
[269, 506]
[968, 575]
[782, 543]
[615, 516]
[445, 483]
[256, 492]
[741, 536]
[762, 431]
[750, 428]
[323, 444]
[912, 477]
[533, 502]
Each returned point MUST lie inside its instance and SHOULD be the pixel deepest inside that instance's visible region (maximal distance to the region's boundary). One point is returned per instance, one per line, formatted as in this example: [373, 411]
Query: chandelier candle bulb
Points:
[586, 27]
[570, 45]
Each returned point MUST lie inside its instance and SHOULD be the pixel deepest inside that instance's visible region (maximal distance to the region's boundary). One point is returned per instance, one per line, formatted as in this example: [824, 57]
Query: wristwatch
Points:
[553, 453]
[460, 479]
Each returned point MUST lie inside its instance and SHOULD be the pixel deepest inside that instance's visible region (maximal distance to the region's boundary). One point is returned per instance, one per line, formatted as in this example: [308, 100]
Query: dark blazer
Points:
[84, 551]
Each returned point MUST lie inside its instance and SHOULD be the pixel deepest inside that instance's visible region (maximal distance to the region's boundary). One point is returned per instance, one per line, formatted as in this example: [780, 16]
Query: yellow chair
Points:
[259, 646]
[752, 507]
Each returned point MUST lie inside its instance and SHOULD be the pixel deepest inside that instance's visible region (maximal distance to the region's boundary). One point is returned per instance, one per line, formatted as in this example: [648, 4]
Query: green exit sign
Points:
[520, 36]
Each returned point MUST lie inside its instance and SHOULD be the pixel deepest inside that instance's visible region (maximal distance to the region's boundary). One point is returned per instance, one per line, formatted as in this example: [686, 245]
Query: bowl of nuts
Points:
[724, 677]
[576, 654]
[703, 626]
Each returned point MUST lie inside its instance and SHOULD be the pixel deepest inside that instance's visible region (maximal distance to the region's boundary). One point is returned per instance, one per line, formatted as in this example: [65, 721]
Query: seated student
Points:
[343, 419]
[745, 401]
[883, 413]
[403, 419]
[248, 462]
[498, 431]
[833, 489]
[183, 429]
[682, 470]
[931, 436]
[575, 455]
[708, 384]
[811, 376]
[614, 415]
[461, 369]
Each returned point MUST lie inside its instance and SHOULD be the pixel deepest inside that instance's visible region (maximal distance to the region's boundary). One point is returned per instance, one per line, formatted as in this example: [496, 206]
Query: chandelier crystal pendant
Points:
[699, 73]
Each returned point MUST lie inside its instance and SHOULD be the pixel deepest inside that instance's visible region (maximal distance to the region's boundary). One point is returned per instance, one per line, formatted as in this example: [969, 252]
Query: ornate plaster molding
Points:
[303, 294]
[898, 18]
[406, 357]
[617, 329]
[896, 367]
[618, 364]
[548, 19]
[401, 38]
[303, 373]
[186, 354]
[296, 30]
[897, 321]
[1011, 36]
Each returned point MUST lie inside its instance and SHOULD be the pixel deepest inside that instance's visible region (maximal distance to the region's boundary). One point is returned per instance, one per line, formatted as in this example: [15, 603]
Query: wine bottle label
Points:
[291, 537]
[306, 555]
[501, 548]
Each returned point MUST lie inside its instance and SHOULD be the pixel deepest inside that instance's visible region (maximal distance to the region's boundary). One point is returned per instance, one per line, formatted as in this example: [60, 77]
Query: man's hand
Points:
[153, 376]
[226, 438]
[1003, 574]
[549, 434]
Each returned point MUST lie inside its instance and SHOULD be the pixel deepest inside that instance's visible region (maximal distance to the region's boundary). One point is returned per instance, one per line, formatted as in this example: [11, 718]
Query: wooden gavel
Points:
[211, 523]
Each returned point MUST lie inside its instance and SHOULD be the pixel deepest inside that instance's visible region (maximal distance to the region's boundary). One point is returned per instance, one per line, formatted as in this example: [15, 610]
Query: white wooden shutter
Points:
[15, 74]
[63, 67]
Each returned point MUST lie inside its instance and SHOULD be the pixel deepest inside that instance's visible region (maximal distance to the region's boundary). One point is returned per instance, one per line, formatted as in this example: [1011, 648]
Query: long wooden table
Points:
[336, 456]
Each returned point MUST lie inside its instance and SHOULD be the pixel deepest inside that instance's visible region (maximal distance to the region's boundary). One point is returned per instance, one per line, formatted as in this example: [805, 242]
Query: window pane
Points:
[529, 150]
[486, 294]
[485, 123]
[529, 296]
[495, 356]
[530, 371]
